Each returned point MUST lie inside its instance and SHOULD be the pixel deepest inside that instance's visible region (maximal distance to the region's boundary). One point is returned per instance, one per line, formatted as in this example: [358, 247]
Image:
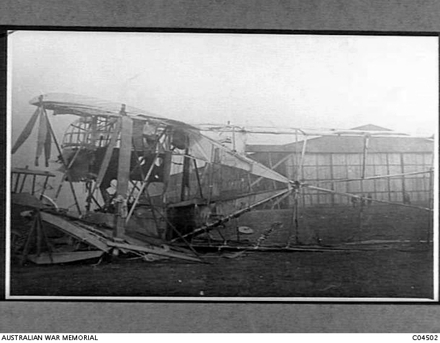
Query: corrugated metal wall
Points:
[328, 170]
[337, 167]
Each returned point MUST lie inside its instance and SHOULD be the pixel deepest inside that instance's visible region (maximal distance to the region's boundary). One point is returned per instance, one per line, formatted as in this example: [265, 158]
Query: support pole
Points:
[332, 178]
[388, 180]
[301, 163]
[17, 181]
[402, 168]
[295, 223]
[296, 155]
[361, 205]
[23, 182]
[199, 183]
[123, 172]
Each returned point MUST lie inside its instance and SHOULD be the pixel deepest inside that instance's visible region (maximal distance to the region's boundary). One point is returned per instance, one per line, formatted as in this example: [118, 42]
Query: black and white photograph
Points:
[241, 166]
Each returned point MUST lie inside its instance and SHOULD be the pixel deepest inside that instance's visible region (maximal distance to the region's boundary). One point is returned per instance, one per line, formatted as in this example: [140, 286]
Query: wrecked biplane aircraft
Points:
[150, 181]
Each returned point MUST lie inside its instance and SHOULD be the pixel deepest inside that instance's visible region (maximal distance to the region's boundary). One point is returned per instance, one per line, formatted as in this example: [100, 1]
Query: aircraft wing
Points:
[65, 103]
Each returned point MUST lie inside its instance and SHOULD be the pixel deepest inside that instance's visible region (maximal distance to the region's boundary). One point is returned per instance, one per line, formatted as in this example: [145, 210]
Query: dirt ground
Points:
[394, 271]
[387, 270]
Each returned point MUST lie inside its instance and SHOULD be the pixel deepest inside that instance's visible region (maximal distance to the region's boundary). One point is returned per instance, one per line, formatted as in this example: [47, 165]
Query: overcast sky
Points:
[248, 79]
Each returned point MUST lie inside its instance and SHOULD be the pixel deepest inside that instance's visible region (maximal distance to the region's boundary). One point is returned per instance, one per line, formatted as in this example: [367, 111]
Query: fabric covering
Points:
[200, 146]
[64, 103]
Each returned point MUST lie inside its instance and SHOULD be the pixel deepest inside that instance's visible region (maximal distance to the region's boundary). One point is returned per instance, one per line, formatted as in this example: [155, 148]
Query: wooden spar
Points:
[284, 159]
[365, 198]
[74, 230]
[144, 183]
[280, 199]
[123, 172]
[375, 177]
[284, 248]
[16, 183]
[208, 227]
[23, 182]
[296, 153]
[301, 163]
[62, 160]
[322, 133]
[198, 178]
[59, 187]
[154, 251]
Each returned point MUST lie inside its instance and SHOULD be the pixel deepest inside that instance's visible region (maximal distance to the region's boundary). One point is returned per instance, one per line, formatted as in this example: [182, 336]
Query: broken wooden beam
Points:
[76, 231]
[154, 251]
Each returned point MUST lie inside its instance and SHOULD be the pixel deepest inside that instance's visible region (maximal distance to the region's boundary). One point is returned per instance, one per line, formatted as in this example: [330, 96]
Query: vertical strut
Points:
[123, 172]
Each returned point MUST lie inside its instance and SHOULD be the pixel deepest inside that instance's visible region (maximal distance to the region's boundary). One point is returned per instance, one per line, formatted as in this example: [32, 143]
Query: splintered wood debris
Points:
[94, 238]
